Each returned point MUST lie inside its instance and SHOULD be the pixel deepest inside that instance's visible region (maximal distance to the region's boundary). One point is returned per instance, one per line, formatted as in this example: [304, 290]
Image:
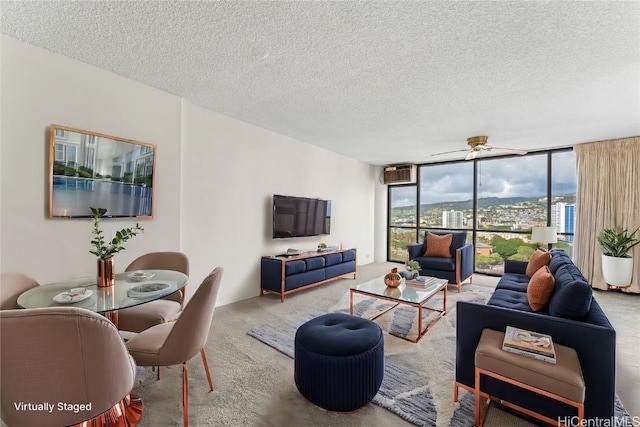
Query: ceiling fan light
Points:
[477, 140]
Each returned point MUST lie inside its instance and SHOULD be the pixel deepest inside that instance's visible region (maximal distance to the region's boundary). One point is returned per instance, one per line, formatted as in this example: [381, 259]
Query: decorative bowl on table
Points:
[140, 276]
[410, 274]
[148, 290]
[73, 295]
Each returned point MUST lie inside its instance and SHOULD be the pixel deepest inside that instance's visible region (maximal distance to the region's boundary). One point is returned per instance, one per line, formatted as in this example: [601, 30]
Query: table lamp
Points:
[546, 235]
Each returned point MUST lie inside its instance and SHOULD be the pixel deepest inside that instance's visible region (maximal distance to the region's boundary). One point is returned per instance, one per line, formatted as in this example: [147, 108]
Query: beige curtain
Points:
[608, 197]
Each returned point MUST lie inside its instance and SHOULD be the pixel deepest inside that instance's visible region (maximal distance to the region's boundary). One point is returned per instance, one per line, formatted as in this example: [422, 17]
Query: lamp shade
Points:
[544, 235]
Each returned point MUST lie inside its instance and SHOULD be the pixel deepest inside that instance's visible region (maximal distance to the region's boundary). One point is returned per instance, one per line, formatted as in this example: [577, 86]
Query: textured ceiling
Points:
[381, 82]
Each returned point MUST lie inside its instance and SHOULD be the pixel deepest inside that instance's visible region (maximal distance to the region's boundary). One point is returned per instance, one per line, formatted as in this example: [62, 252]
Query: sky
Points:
[500, 177]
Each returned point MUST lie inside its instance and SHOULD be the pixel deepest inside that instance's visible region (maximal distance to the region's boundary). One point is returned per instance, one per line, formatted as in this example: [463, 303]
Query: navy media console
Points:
[283, 275]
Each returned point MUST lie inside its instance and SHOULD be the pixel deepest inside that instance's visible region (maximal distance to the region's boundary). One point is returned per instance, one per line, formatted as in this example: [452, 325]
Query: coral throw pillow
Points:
[540, 288]
[538, 259]
[438, 246]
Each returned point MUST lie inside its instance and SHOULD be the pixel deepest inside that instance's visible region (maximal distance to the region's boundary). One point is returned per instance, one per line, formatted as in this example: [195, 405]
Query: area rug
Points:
[418, 378]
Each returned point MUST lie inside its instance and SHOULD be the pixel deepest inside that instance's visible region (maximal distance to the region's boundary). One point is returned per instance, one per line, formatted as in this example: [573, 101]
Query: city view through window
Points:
[512, 194]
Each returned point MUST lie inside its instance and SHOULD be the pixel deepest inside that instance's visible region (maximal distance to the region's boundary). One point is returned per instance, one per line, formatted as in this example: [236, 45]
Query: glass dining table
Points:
[130, 289]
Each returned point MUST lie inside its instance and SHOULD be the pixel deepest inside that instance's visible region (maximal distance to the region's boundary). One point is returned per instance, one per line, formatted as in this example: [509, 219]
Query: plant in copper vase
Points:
[105, 250]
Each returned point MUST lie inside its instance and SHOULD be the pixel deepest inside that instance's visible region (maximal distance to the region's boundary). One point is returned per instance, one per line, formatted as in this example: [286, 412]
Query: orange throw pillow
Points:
[438, 246]
[540, 288]
[538, 259]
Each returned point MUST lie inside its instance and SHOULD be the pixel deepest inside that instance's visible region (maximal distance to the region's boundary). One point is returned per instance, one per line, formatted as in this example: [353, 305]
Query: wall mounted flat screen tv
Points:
[88, 169]
[300, 216]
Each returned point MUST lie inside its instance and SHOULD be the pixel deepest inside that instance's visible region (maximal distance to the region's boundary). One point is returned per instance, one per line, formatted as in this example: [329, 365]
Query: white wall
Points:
[39, 88]
[231, 171]
[215, 176]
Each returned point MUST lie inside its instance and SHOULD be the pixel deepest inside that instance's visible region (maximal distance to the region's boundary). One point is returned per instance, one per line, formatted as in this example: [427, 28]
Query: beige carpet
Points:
[254, 383]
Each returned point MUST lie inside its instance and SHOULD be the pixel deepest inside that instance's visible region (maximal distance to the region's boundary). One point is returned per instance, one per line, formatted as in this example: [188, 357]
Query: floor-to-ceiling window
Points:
[496, 199]
[402, 221]
[564, 185]
[511, 198]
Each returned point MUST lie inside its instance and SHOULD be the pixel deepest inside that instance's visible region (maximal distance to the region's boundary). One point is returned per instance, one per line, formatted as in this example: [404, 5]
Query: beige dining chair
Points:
[61, 356]
[176, 342]
[11, 286]
[144, 316]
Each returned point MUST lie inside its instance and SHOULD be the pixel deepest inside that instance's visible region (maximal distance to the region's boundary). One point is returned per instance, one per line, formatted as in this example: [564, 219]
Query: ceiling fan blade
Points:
[506, 150]
[449, 152]
[472, 155]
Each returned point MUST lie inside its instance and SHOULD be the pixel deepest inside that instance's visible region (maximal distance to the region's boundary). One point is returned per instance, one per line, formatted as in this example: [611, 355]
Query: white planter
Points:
[617, 271]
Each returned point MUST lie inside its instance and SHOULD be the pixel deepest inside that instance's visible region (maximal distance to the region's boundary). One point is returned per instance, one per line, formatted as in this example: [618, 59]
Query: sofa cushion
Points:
[558, 259]
[540, 289]
[294, 267]
[572, 295]
[314, 263]
[510, 299]
[349, 255]
[434, 263]
[537, 260]
[514, 282]
[438, 246]
[332, 259]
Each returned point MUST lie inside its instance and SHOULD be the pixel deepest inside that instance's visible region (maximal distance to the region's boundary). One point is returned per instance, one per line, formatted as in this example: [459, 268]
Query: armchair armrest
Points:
[464, 258]
[415, 250]
[598, 367]
[511, 266]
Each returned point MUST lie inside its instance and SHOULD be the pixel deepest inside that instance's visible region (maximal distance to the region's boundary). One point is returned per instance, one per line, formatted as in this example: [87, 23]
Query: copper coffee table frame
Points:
[376, 289]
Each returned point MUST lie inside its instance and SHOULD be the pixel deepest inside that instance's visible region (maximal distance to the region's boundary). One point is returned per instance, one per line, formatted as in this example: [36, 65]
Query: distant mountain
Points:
[485, 202]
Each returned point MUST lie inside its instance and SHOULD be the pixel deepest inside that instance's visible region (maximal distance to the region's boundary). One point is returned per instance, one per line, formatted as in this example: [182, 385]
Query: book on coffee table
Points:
[421, 282]
[527, 343]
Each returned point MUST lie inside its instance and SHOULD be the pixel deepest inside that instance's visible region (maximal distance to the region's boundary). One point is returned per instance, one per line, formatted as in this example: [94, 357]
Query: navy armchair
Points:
[456, 269]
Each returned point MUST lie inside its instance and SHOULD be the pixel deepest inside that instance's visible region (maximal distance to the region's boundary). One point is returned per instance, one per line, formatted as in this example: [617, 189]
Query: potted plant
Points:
[413, 269]
[617, 263]
[106, 250]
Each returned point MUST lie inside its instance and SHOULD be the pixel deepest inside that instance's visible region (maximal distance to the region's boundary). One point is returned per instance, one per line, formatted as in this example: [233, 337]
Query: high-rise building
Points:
[452, 219]
[563, 217]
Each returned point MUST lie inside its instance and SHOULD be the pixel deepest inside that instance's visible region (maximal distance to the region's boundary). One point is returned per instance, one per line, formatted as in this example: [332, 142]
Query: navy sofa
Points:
[456, 269]
[282, 276]
[573, 318]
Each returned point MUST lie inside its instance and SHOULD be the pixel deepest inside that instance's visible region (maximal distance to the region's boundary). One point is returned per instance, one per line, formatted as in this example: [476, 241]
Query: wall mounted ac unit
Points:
[399, 174]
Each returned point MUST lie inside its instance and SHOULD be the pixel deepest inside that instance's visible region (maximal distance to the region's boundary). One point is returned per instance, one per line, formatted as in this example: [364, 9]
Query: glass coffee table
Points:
[414, 296]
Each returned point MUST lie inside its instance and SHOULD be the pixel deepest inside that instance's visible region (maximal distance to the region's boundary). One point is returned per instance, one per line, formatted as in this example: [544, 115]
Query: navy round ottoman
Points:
[339, 361]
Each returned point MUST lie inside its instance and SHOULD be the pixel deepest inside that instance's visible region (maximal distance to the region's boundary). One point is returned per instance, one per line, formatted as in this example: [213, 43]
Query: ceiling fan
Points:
[478, 143]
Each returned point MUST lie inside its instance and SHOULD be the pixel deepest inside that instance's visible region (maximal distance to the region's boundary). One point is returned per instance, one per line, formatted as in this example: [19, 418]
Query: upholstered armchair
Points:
[451, 260]
[69, 358]
[144, 316]
[11, 286]
[174, 343]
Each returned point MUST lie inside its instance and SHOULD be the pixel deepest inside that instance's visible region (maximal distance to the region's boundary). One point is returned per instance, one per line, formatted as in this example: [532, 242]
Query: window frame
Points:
[474, 230]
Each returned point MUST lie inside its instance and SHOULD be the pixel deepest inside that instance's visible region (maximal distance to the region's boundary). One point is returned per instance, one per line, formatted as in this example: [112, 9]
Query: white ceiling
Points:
[379, 81]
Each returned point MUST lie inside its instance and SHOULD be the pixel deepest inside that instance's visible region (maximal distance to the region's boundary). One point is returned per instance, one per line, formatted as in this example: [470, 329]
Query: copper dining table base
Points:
[125, 413]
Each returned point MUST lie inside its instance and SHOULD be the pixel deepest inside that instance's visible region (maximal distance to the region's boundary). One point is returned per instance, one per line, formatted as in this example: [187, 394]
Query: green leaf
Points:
[617, 244]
